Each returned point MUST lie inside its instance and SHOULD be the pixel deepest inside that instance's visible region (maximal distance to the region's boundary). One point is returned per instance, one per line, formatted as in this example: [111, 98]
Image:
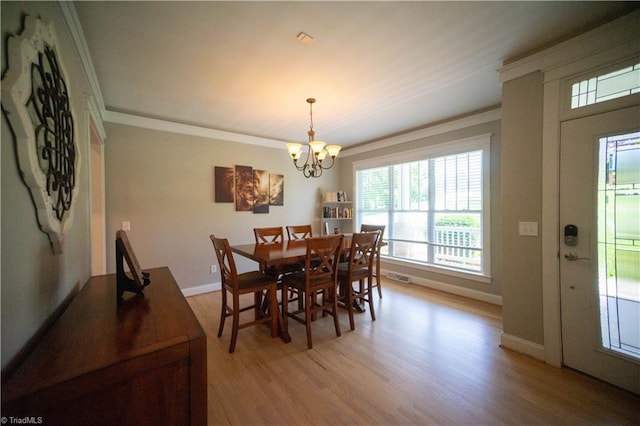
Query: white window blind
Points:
[435, 207]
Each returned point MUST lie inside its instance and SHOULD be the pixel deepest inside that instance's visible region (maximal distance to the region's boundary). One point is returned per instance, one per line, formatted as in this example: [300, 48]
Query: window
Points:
[619, 242]
[605, 87]
[434, 203]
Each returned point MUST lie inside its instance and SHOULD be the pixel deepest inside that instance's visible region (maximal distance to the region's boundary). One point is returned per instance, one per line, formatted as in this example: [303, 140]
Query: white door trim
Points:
[97, 203]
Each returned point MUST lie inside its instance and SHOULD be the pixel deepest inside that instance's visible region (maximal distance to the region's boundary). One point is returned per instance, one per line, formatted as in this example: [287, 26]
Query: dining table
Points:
[282, 253]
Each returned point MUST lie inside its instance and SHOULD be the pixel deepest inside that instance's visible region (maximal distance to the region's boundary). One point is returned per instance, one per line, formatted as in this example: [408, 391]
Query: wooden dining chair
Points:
[269, 235]
[236, 285]
[299, 232]
[316, 285]
[358, 267]
[272, 234]
[376, 272]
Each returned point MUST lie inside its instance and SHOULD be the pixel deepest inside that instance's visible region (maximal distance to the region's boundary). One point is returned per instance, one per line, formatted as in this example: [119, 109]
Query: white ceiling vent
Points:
[304, 38]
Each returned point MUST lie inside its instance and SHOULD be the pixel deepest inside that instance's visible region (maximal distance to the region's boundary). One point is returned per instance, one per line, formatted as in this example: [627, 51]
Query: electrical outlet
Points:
[126, 225]
[214, 269]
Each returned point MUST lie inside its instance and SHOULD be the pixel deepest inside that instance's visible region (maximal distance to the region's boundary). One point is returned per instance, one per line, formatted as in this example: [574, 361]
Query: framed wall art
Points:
[248, 188]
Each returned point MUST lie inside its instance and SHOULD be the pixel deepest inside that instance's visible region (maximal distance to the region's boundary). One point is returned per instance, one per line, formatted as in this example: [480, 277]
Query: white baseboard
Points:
[526, 347]
[201, 289]
[494, 299]
[436, 285]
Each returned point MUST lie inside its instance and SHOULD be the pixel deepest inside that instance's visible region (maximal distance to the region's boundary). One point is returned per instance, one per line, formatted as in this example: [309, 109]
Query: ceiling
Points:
[376, 68]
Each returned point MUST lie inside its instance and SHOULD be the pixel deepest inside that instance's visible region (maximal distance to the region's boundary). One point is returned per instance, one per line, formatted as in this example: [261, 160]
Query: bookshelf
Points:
[336, 213]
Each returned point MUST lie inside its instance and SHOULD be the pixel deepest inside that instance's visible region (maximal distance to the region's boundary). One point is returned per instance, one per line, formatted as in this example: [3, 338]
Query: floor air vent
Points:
[398, 277]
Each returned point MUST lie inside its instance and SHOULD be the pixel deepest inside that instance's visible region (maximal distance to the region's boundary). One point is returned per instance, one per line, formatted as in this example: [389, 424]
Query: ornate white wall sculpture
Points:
[36, 100]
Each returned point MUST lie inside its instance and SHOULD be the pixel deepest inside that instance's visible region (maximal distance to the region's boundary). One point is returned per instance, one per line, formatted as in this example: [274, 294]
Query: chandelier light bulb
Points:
[295, 149]
[333, 150]
[317, 146]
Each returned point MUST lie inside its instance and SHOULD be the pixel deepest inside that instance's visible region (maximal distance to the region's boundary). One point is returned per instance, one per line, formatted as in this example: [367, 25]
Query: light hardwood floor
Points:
[429, 358]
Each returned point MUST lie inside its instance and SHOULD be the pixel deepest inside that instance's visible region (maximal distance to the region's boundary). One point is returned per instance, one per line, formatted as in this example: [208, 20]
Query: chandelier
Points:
[316, 151]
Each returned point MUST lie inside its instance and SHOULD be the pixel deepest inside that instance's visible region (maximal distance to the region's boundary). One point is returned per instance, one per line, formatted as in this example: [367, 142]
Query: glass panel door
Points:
[600, 245]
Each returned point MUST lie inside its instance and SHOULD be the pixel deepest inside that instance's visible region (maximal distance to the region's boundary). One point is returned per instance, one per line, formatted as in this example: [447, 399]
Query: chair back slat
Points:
[321, 263]
[227, 264]
[363, 250]
[299, 232]
[373, 228]
[268, 235]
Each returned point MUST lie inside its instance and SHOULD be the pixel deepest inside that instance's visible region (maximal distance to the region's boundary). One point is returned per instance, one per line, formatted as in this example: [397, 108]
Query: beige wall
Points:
[163, 184]
[35, 282]
[494, 288]
[521, 200]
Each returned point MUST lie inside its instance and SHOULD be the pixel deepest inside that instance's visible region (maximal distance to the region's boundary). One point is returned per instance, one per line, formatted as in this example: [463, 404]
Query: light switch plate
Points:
[528, 229]
[126, 225]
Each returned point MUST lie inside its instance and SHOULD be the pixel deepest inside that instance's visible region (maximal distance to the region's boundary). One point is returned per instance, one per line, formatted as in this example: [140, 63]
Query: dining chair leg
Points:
[223, 312]
[285, 308]
[336, 320]
[370, 298]
[236, 323]
[350, 308]
[257, 305]
[378, 274]
[273, 299]
[308, 304]
[324, 299]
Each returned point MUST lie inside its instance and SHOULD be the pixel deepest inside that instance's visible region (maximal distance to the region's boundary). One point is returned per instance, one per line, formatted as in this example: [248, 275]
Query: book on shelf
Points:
[334, 197]
[337, 212]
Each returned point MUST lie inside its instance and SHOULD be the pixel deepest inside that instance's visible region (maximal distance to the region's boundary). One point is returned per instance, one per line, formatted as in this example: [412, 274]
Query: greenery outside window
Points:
[434, 202]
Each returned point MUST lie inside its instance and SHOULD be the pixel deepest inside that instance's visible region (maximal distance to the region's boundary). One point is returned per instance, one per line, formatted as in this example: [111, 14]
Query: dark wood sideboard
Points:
[139, 360]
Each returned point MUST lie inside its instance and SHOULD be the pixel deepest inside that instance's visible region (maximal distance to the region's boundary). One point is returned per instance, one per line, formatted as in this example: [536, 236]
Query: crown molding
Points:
[462, 123]
[96, 102]
[188, 129]
[610, 35]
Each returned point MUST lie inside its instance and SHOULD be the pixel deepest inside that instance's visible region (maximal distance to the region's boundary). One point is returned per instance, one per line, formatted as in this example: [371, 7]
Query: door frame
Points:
[97, 210]
[556, 110]
[97, 202]
[615, 42]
